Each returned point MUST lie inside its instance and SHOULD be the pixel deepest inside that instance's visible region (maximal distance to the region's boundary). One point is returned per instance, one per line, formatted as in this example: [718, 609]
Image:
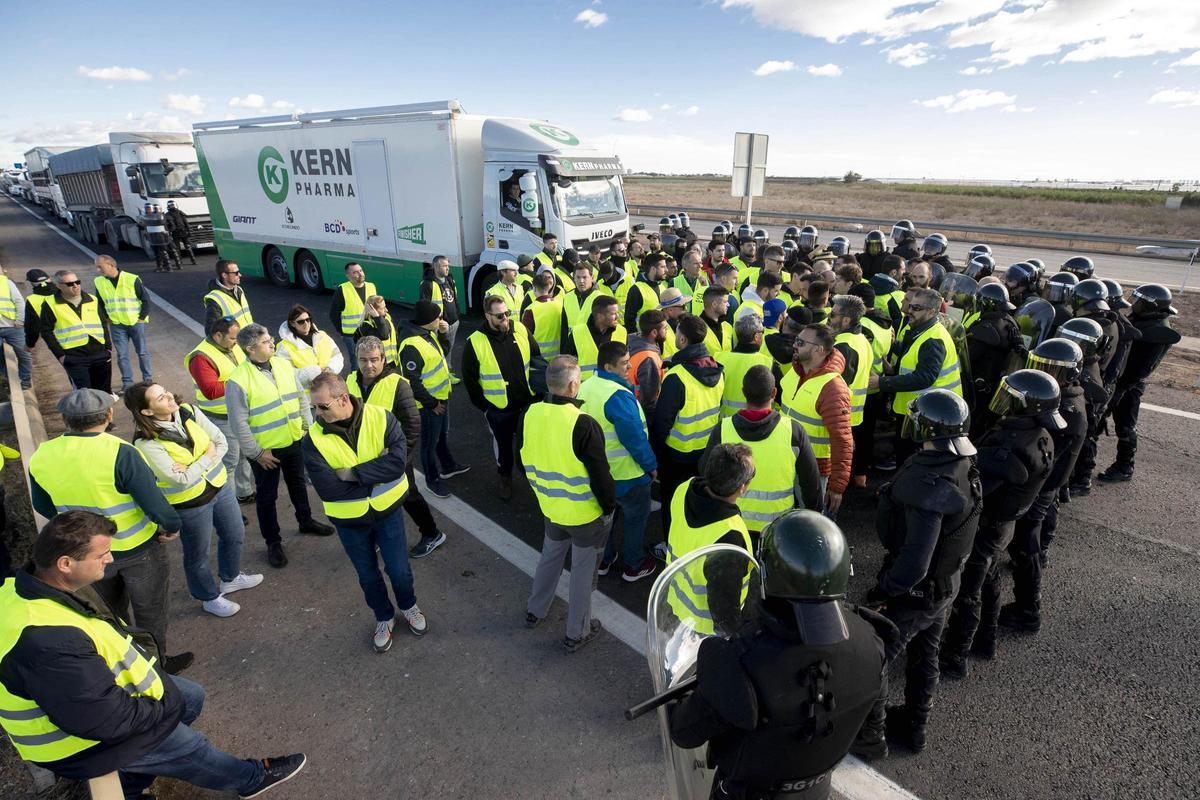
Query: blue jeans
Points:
[359, 542]
[187, 756]
[351, 353]
[16, 337]
[122, 335]
[222, 513]
[435, 443]
[634, 506]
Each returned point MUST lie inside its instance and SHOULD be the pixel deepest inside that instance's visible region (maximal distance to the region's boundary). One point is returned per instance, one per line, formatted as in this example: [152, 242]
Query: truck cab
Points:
[539, 178]
[156, 168]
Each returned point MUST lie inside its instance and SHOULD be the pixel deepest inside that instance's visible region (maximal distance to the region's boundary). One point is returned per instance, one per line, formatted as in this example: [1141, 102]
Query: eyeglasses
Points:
[304, 321]
[775, 260]
[915, 307]
[500, 316]
[234, 272]
[329, 405]
[803, 342]
[70, 283]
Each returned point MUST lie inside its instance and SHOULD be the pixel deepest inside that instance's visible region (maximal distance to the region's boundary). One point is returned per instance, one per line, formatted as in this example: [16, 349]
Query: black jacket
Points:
[48, 318]
[388, 466]
[512, 367]
[1015, 458]
[1068, 442]
[808, 474]
[413, 363]
[907, 251]
[33, 321]
[59, 669]
[870, 264]
[633, 302]
[587, 443]
[403, 408]
[702, 367]
[449, 295]
[1127, 334]
[990, 344]
[212, 311]
[1147, 353]
[849, 355]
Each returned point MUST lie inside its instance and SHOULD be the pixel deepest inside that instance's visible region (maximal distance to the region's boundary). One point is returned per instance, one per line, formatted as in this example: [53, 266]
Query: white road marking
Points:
[1174, 412]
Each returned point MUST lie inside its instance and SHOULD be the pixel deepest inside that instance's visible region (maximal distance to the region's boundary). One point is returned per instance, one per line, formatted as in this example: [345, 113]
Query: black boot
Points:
[983, 646]
[871, 743]
[906, 728]
[1117, 473]
[1022, 620]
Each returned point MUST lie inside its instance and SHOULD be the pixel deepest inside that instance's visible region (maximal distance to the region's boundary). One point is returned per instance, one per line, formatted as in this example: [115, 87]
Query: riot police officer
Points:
[160, 240]
[1062, 360]
[1127, 334]
[874, 251]
[1150, 314]
[1015, 458]
[809, 251]
[1018, 279]
[991, 340]
[1089, 301]
[926, 521]
[904, 237]
[933, 250]
[719, 234]
[980, 267]
[181, 236]
[781, 702]
[791, 233]
[839, 245]
[1079, 266]
[1057, 292]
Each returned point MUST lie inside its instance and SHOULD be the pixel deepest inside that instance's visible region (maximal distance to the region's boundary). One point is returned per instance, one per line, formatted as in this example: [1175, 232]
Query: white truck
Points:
[106, 187]
[46, 191]
[296, 198]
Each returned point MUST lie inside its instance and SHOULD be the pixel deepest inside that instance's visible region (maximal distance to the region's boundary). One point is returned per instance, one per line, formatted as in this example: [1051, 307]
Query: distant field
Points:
[1118, 213]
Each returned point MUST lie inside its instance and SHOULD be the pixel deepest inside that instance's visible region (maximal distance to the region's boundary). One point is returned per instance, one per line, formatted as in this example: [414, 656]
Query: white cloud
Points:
[771, 67]
[182, 72]
[633, 115]
[251, 101]
[1176, 98]
[665, 107]
[975, 71]
[886, 20]
[282, 105]
[113, 73]
[1191, 61]
[969, 100]
[691, 111]
[1118, 73]
[191, 103]
[913, 54]
[824, 71]
[591, 19]
[1014, 109]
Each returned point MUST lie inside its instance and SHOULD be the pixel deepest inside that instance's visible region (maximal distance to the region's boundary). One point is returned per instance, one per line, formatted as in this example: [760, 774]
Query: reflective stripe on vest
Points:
[514, 298]
[73, 328]
[300, 354]
[225, 363]
[970, 319]
[714, 345]
[355, 309]
[238, 309]
[649, 299]
[576, 312]
[700, 413]
[491, 381]
[35, 736]
[948, 376]
[547, 326]
[688, 594]
[736, 365]
[391, 351]
[558, 478]
[435, 373]
[586, 349]
[176, 494]
[274, 403]
[382, 393]
[881, 343]
[338, 455]
[58, 467]
[772, 491]
[8, 303]
[120, 301]
[595, 392]
[862, 372]
[800, 403]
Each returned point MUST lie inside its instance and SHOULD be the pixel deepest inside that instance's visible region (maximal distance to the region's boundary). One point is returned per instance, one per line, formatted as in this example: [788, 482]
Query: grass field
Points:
[1087, 211]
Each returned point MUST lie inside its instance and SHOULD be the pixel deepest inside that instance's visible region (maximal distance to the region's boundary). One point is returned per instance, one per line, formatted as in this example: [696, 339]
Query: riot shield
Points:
[958, 291]
[708, 592]
[959, 334]
[1036, 321]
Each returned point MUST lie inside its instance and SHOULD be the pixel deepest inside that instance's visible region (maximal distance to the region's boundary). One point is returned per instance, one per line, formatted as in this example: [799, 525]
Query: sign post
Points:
[749, 167]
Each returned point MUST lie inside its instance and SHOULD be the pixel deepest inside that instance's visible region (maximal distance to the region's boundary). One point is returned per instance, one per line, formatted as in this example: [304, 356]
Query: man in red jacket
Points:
[213, 360]
[815, 395]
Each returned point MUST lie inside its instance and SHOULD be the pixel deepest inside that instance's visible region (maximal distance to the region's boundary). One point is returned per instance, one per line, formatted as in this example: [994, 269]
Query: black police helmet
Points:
[904, 231]
[1059, 285]
[1152, 297]
[1116, 295]
[979, 250]
[684, 219]
[1080, 266]
[873, 243]
[789, 247]
[804, 556]
[839, 245]
[941, 417]
[718, 233]
[981, 266]
[1019, 275]
[1059, 358]
[570, 256]
[993, 297]
[791, 232]
[1089, 295]
[1037, 264]
[934, 245]
[1029, 393]
[728, 226]
[664, 224]
[744, 231]
[730, 250]
[760, 237]
[1084, 332]
[809, 236]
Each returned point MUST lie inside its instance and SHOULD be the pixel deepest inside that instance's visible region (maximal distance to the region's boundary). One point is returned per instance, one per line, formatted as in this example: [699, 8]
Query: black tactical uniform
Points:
[1094, 366]
[181, 236]
[991, 341]
[926, 520]
[160, 240]
[908, 250]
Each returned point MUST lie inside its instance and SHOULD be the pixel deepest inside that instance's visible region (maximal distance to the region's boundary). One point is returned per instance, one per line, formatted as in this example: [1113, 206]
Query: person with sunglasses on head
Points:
[75, 328]
[225, 297]
[310, 350]
[495, 371]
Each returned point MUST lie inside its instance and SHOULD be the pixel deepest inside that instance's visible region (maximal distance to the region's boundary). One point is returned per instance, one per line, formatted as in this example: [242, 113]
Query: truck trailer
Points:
[296, 198]
[46, 191]
[106, 187]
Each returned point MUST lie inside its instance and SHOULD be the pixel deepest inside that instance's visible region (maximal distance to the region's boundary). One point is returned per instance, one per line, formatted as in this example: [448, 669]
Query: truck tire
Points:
[484, 278]
[89, 229]
[276, 268]
[112, 236]
[308, 272]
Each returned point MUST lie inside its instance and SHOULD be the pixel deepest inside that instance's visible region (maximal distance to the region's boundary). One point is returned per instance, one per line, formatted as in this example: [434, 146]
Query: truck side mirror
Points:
[135, 186]
[131, 171]
[529, 199]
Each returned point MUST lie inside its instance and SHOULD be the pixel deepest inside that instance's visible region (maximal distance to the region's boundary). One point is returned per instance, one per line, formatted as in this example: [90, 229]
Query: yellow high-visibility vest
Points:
[319, 355]
[355, 308]
[577, 311]
[382, 392]
[238, 309]
[586, 349]
[120, 300]
[595, 392]
[73, 328]
[948, 376]
[558, 478]
[862, 372]
[225, 363]
[8, 303]
[435, 372]
[700, 413]
[736, 365]
[492, 383]
[547, 325]
[715, 345]
[216, 475]
[338, 455]
[799, 401]
[772, 490]
[274, 403]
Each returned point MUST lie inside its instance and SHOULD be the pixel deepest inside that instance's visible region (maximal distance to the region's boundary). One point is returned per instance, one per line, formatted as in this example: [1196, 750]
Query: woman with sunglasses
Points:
[309, 350]
[185, 451]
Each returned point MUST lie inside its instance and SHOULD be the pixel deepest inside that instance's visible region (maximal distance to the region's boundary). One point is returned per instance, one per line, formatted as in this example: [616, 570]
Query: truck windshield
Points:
[588, 197]
[172, 180]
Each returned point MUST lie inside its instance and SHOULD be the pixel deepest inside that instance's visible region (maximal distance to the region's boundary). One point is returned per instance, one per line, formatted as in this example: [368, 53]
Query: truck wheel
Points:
[112, 236]
[484, 278]
[89, 229]
[276, 267]
[308, 272]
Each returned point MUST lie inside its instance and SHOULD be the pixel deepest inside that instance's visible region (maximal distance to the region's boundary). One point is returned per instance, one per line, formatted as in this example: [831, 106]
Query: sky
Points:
[951, 89]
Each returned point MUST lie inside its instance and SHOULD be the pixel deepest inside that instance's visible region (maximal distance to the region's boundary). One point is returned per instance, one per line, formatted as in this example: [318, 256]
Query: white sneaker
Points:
[242, 581]
[220, 607]
[416, 621]
[383, 636]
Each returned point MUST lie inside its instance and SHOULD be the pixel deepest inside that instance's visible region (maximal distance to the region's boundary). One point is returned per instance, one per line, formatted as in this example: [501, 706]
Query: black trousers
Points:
[1125, 407]
[864, 435]
[89, 371]
[671, 474]
[920, 625]
[1032, 536]
[967, 617]
[416, 506]
[503, 424]
[266, 487]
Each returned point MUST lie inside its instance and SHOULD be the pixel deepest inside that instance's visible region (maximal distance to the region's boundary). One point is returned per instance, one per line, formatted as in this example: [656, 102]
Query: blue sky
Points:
[1060, 89]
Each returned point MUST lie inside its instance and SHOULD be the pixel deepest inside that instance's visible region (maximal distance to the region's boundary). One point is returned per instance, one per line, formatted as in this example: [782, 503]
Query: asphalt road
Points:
[1130, 270]
[1103, 703]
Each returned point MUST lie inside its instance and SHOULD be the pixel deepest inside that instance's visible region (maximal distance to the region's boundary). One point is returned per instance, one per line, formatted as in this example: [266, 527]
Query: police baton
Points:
[674, 693]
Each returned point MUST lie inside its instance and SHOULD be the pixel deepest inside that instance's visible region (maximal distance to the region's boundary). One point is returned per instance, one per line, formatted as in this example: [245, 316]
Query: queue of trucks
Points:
[295, 198]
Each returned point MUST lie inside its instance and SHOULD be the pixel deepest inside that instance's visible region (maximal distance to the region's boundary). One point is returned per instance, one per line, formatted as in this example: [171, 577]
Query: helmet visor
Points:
[1063, 372]
[1006, 400]
[807, 241]
[931, 247]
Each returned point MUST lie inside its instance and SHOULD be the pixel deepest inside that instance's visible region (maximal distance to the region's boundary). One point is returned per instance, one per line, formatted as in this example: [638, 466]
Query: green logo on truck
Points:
[413, 233]
[272, 174]
[555, 133]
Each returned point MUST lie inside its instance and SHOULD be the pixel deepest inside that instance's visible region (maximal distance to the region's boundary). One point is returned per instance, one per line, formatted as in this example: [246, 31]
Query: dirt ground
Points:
[836, 199]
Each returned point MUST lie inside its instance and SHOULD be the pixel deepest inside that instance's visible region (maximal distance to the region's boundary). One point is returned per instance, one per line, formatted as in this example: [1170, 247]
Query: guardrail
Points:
[886, 226]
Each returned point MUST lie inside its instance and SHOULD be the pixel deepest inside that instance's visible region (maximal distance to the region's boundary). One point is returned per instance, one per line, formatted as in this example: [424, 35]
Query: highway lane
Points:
[1129, 270]
[1103, 703]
